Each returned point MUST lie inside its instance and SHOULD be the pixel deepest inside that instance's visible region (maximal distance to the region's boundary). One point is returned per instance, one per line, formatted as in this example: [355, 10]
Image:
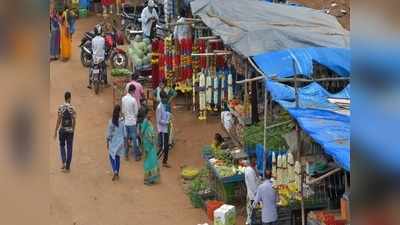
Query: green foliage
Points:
[200, 183]
[254, 134]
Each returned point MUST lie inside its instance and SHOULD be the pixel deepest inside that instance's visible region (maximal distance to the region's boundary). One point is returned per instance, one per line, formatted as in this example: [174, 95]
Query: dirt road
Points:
[87, 196]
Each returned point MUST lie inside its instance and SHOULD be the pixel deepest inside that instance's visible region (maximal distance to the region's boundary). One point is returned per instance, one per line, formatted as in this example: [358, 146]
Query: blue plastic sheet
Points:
[288, 62]
[331, 130]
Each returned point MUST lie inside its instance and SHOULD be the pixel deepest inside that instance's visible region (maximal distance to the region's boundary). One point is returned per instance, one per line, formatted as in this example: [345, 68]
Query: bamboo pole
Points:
[265, 125]
[324, 176]
[250, 80]
[212, 54]
[278, 124]
[208, 37]
[255, 67]
[309, 80]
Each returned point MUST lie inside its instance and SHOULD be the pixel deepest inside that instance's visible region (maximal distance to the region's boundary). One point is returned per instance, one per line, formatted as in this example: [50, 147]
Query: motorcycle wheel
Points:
[119, 60]
[86, 59]
[96, 87]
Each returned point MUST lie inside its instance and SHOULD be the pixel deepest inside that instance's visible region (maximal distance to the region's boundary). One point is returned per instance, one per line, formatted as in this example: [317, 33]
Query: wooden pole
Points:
[212, 54]
[265, 126]
[325, 175]
[309, 80]
[298, 134]
[250, 80]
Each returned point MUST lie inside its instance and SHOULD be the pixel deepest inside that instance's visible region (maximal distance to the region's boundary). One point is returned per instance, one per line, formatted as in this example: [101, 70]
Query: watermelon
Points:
[138, 38]
[147, 41]
[146, 60]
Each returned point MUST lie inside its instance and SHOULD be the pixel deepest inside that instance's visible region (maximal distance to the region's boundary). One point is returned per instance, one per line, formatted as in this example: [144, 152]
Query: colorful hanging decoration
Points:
[202, 96]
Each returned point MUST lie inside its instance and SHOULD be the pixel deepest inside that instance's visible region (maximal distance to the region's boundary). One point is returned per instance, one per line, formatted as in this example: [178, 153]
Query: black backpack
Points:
[66, 119]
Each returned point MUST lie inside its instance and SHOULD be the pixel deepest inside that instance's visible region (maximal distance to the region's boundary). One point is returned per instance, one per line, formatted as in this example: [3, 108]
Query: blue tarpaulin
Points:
[330, 130]
[315, 113]
[311, 96]
[281, 63]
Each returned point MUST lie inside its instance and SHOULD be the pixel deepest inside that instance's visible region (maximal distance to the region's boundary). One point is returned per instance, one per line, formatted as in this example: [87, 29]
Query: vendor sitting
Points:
[218, 141]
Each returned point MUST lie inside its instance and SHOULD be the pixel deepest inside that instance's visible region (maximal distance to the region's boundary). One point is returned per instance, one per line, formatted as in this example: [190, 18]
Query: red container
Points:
[212, 205]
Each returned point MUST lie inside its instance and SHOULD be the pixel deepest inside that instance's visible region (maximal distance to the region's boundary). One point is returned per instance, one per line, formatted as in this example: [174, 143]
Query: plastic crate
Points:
[83, 13]
[211, 207]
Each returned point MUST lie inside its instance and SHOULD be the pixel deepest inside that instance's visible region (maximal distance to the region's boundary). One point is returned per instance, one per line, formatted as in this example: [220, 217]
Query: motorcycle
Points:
[97, 75]
[117, 56]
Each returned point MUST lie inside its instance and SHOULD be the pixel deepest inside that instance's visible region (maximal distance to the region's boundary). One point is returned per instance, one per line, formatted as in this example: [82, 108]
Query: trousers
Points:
[163, 143]
[115, 163]
[66, 140]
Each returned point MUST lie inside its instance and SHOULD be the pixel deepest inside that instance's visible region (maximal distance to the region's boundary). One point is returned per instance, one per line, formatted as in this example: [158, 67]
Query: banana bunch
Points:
[183, 86]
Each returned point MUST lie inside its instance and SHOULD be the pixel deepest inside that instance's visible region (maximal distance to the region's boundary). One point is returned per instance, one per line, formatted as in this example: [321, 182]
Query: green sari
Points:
[151, 168]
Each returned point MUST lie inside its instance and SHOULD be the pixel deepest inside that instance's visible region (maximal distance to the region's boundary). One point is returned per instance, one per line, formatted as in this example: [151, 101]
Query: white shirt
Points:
[251, 181]
[99, 48]
[182, 30]
[146, 25]
[129, 110]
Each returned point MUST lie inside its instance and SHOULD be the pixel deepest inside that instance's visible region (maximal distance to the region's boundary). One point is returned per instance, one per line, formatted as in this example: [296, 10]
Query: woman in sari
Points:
[116, 140]
[54, 35]
[65, 36]
[151, 168]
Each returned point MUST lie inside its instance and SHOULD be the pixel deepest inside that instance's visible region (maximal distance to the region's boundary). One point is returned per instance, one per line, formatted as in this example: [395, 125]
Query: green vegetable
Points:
[120, 72]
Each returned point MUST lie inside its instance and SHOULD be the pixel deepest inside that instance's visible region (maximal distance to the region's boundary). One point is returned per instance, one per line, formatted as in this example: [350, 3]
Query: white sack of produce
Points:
[227, 120]
[225, 215]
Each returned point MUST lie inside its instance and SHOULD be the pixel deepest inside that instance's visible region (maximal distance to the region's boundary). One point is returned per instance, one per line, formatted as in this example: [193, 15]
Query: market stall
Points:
[322, 157]
[307, 152]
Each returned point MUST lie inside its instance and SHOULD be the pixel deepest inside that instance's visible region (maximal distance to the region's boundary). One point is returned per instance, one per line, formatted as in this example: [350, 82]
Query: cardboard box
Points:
[225, 215]
[344, 209]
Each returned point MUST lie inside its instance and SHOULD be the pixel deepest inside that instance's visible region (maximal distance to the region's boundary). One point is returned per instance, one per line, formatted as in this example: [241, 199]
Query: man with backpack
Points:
[65, 127]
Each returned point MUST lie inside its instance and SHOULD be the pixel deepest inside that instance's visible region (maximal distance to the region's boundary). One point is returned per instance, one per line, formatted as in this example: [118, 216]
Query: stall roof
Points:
[252, 27]
[329, 129]
[280, 63]
[324, 121]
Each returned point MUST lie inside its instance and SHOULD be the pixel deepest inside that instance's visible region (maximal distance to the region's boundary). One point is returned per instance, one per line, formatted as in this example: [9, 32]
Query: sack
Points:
[66, 121]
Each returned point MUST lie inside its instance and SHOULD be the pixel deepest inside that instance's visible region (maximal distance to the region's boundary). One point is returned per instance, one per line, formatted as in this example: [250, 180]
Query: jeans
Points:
[132, 134]
[66, 138]
[163, 146]
[270, 223]
[115, 164]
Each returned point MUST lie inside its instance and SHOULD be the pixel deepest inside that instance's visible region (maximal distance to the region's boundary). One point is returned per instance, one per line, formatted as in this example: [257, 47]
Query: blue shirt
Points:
[268, 196]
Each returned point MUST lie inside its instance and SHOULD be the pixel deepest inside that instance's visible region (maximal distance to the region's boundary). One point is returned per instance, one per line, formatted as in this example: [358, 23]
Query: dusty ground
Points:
[87, 196]
[343, 18]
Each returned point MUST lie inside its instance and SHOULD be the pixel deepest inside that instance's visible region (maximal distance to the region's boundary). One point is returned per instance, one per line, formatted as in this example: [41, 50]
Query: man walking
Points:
[130, 111]
[67, 120]
[139, 91]
[251, 181]
[269, 198]
[163, 120]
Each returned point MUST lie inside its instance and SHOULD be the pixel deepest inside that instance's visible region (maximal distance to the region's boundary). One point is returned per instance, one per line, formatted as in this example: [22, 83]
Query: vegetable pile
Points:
[120, 72]
[199, 186]
[139, 50]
